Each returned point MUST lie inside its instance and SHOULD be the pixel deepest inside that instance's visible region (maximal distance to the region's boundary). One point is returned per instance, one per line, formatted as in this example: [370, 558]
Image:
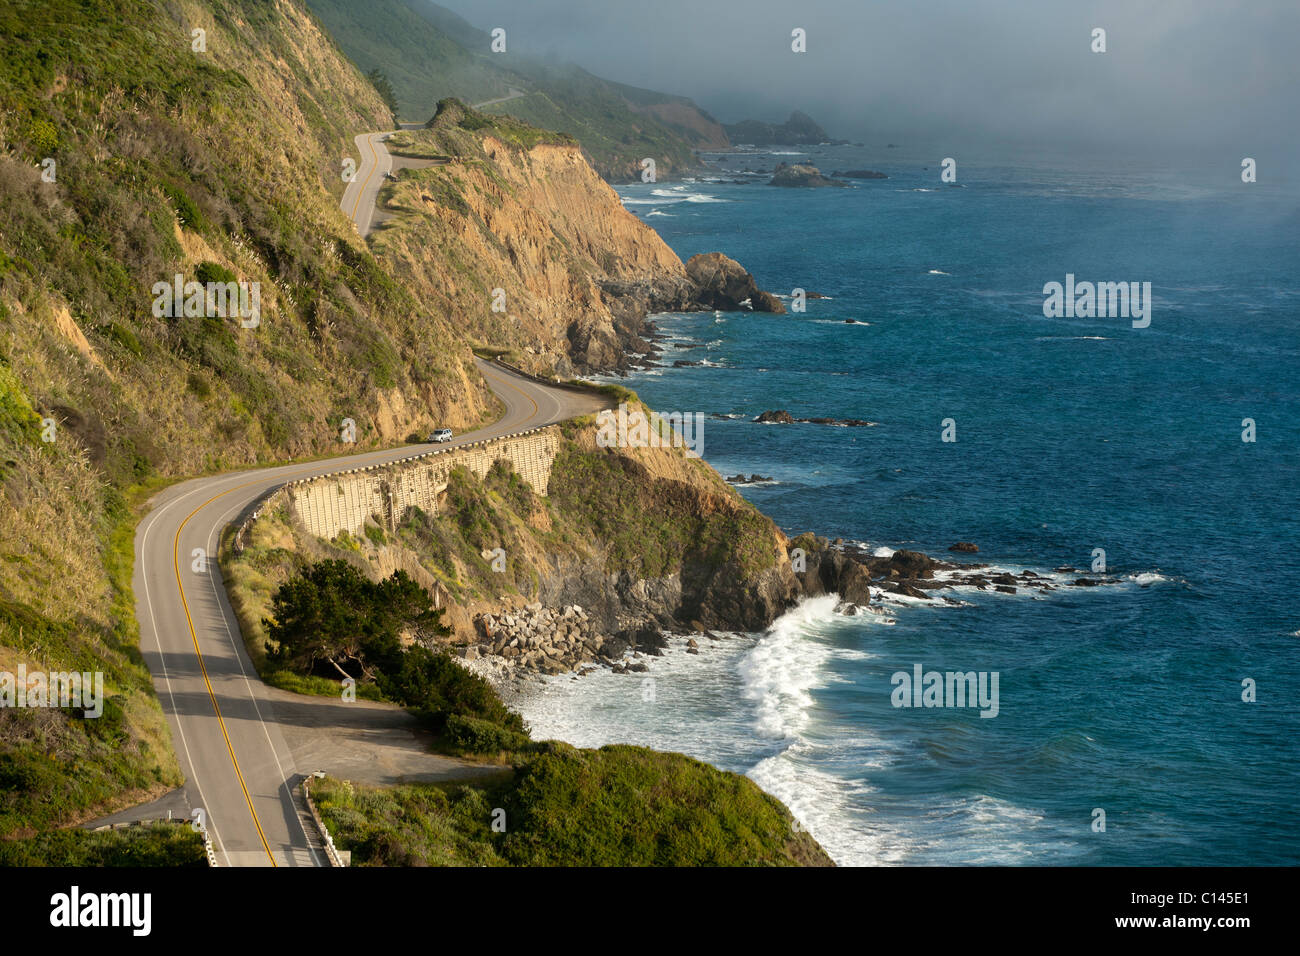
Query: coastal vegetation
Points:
[332, 620]
[139, 141]
[616, 806]
[157, 844]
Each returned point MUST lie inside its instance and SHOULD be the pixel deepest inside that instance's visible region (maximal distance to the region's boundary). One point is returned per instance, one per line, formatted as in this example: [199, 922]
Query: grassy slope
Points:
[616, 806]
[429, 53]
[159, 844]
[168, 159]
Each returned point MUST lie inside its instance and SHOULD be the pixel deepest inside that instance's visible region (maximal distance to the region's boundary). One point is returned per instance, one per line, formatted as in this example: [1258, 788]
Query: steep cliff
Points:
[536, 254]
[140, 141]
[206, 140]
[636, 536]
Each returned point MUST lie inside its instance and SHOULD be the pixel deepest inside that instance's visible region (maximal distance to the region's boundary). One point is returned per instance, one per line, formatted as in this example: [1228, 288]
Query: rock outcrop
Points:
[723, 283]
[781, 417]
[576, 272]
[801, 175]
[862, 579]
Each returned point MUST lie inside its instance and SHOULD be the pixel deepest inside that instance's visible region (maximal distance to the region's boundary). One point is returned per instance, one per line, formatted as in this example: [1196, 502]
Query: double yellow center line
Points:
[194, 637]
[370, 141]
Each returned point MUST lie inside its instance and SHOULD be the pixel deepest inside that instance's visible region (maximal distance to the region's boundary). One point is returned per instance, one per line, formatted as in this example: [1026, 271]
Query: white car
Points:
[440, 435]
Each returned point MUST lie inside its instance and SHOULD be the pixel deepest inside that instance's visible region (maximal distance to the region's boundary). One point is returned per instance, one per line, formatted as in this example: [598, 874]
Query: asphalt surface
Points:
[239, 770]
[361, 196]
[237, 765]
[362, 192]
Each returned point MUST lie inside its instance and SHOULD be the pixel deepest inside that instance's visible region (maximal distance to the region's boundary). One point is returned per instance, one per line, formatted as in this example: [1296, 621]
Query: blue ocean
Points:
[1166, 705]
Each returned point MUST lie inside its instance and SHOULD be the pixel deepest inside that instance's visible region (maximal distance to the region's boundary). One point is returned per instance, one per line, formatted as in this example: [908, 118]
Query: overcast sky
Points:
[1178, 75]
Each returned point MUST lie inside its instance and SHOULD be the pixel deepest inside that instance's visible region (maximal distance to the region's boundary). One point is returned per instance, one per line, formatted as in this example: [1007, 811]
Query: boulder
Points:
[801, 175]
[766, 302]
[646, 639]
[968, 546]
[912, 564]
[720, 281]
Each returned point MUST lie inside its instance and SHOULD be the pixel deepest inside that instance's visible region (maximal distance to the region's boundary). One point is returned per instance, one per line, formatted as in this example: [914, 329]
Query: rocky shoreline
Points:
[516, 647]
[713, 281]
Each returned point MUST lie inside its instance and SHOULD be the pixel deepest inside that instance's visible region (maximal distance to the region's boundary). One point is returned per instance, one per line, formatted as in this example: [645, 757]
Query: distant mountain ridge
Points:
[800, 129]
[430, 53]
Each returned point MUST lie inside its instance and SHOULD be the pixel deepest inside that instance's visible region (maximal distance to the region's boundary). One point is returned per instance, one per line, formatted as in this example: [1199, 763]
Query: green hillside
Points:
[215, 163]
[429, 53]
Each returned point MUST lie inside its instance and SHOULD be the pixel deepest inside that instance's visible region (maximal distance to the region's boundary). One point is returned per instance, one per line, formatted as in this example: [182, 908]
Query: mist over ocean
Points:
[1072, 434]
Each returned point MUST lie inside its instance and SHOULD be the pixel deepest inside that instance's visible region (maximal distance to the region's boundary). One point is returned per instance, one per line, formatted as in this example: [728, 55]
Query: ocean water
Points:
[1073, 434]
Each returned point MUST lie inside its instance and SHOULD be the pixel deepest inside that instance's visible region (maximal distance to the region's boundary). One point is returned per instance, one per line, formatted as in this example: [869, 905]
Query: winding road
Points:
[238, 769]
[362, 192]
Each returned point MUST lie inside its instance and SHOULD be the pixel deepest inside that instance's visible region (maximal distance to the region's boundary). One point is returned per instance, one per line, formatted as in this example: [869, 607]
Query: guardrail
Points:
[331, 853]
[553, 383]
[401, 461]
[241, 532]
[209, 850]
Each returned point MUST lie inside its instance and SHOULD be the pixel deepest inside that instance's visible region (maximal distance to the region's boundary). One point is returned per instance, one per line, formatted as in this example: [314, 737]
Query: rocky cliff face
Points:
[722, 283]
[536, 253]
[640, 539]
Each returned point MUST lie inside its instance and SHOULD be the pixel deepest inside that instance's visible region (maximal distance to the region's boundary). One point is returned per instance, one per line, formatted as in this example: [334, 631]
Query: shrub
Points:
[478, 736]
[187, 211]
[436, 687]
[214, 272]
[43, 136]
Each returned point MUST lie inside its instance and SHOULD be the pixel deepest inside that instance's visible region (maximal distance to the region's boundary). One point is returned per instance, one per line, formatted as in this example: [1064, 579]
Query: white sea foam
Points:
[1072, 338]
[784, 667]
[824, 805]
[1145, 579]
[938, 272]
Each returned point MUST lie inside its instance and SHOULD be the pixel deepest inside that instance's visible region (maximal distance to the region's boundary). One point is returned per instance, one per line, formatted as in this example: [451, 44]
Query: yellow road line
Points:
[194, 637]
[176, 564]
[370, 141]
[509, 384]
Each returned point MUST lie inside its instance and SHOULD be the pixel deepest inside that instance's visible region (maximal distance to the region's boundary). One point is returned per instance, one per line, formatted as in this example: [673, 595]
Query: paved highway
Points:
[238, 770]
[237, 766]
[362, 192]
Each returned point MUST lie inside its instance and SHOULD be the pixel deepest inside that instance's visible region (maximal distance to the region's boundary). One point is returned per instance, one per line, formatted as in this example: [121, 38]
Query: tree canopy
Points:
[332, 613]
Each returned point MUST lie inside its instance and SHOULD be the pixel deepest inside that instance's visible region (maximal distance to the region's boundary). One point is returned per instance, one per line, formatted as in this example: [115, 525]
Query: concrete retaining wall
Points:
[343, 501]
